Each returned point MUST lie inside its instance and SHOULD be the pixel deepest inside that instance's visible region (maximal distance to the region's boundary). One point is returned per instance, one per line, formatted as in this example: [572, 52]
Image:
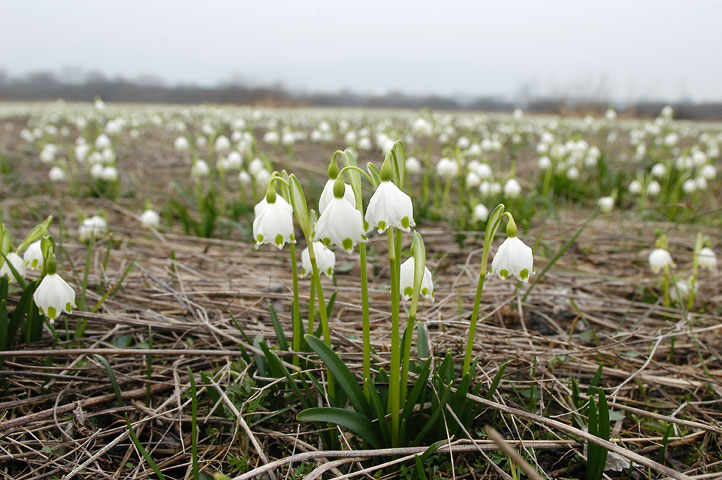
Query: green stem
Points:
[324, 314]
[475, 313]
[366, 321]
[695, 268]
[312, 308]
[297, 323]
[394, 380]
[407, 346]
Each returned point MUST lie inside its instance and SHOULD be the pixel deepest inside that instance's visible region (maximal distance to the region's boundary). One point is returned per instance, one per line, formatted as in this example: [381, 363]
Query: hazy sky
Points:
[632, 48]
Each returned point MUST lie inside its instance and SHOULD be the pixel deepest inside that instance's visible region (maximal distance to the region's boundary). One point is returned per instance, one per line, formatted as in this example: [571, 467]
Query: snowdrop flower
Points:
[635, 187]
[103, 141]
[325, 259]
[700, 183]
[96, 171]
[512, 189]
[513, 257]
[364, 143]
[707, 259]
[255, 166]
[406, 281]
[57, 174]
[671, 139]
[463, 143]
[274, 223]
[480, 213]
[413, 165]
[244, 178]
[47, 154]
[447, 168]
[234, 160]
[263, 176]
[684, 286]
[543, 163]
[54, 296]
[653, 188]
[422, 126]
[150, 219]
[271, 137]
[340, 223]
[659, 170]
[606, 204]
[201, 141]
[389, 206]
[200, 169]
[327, 194]
[33, 256]
[689, 186]
[91, 227]
[610, 114]
[660, 258]
[222, 144]
[484, 171]
[708, 172]
[181, 144]
[109, 174]
[472, 180]
[81, 151]
[258, 208]
[573, 173]
[17, 263]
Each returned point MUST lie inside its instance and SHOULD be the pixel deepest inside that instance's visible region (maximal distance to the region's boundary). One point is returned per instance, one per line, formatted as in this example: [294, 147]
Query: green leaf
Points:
[496, 381]
[379, 411]
[342, 374]
[419, 386]
[595, 380]
[420, 473]
[375, 173]
[331, 302]
[423, 349]
[280, 336]
[356, 422]
[276, 364]
[434, 417]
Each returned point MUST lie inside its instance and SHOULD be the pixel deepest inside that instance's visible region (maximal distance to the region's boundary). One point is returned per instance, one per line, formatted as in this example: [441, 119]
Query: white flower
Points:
[271, 137]
[635, 187]
[17, 263]
[660, 258]
[95, 225]
[543, 163]
[181, 144]
[263, 176]
[234, 160]
[484, 171]
[606, 204]
[390, 207]
[689, 186]
[512, 188]
[707, 259]
[33, 256]
[708, 171]
[472, 180]
[274, 224]
[222, 144]
[57, 174]
[406, 281]
[654, 188]
[573, 173]
[513, 257]
[413, 165]
[258, 208]
[684, 286]
[150, 219]
[447, 168]
[659, 170]
[340, 224]
[103, 141]
[325, 259]
[480, 213]
[244, 178]
[54, 296]
[47, 154]
[255, 166]
[109, 174]
[200, 169]
[327, 195]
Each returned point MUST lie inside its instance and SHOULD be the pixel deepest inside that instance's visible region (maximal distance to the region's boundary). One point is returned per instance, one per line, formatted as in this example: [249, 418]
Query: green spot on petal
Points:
[279, 240]
[292, 238]
[259, 239]
[405, 222]
[408, 291]
[503, 273]
[347, 244]
[524, 274]
[425, 291]
[68, 307]
[382, 225]
[52, 313]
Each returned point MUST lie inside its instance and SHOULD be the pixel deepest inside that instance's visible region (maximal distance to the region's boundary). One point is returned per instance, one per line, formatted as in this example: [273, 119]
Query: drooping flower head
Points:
[406, 281]
[340, 223]
[325, 259]
[660, 258]
[513, 257]
[327, 193]
[274, 221]
[389, 206]
[54, 296]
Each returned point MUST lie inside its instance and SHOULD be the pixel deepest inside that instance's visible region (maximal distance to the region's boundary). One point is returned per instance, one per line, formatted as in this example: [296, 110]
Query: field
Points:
[204, 343]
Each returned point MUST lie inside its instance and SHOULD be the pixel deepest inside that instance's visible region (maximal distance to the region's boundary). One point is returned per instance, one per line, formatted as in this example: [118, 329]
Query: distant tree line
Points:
[49, 86]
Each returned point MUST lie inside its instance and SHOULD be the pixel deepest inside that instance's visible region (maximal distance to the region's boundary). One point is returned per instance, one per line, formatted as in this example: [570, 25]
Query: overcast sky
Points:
[628, 49]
